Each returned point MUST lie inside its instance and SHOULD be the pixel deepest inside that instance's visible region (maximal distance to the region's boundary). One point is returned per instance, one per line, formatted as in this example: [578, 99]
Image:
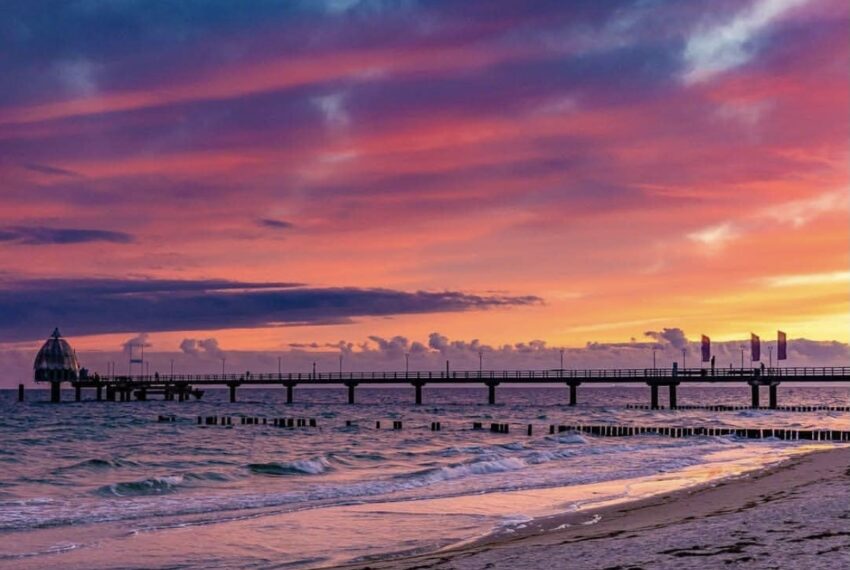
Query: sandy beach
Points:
[796, 514]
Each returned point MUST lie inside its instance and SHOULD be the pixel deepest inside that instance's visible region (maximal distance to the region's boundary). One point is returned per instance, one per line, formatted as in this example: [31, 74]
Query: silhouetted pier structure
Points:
[183, 386]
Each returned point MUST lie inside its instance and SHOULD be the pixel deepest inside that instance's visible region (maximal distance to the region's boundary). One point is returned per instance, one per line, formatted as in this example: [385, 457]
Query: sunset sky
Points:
[279, 176]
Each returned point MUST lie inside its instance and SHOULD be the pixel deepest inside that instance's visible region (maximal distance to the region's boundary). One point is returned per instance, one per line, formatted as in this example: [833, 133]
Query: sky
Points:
[307, 179]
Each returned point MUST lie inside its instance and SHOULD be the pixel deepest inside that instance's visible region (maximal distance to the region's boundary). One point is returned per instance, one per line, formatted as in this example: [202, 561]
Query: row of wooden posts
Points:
[599, 430]
[727, 408]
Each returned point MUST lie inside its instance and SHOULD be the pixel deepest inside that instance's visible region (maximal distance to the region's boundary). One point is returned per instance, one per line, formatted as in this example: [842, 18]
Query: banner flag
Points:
[755, 347]
[706, 348]
[781, 346]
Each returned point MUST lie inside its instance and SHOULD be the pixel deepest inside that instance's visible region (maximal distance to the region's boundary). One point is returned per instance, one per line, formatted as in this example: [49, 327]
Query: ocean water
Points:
[105, 485]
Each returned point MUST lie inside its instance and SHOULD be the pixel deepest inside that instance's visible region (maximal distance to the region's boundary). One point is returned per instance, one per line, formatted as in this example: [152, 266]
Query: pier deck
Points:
[182, 386]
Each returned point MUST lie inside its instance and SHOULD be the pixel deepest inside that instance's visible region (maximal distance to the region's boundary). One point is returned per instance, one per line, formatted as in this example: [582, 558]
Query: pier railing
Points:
[549, 375]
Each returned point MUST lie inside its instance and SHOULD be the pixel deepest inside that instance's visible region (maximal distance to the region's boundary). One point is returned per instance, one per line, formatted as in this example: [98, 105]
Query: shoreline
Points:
[651, 521]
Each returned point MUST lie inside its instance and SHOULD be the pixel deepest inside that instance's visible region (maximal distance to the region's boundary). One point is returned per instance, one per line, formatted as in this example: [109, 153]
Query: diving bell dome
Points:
[56, 360]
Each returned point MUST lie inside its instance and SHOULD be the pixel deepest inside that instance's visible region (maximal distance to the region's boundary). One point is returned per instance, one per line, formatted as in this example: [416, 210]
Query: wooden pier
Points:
[183, 387]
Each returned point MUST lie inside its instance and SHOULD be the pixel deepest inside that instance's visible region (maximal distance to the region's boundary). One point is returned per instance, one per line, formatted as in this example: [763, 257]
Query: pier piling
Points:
[754, 390]
[653, 396]
[20, 392]
[574, 393]
[491, 392]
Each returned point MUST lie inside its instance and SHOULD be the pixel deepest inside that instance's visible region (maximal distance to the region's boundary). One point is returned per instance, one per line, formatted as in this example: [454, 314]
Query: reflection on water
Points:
[103, 485]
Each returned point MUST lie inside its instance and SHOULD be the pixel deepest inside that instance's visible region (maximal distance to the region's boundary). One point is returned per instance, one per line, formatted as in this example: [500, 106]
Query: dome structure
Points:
[56, 361]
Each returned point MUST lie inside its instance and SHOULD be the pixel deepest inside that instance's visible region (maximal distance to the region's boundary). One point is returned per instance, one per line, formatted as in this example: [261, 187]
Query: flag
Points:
[781, 346]
[755, 347]
[706, 348]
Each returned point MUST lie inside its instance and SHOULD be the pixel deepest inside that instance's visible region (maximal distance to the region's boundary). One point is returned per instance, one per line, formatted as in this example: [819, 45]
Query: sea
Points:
[93, 485]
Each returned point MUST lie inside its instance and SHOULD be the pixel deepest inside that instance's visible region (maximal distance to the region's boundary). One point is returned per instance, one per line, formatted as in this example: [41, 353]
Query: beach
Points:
[793, 515]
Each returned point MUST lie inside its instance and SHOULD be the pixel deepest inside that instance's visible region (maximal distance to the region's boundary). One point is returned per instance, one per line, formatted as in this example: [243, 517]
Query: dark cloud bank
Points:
[29, 309]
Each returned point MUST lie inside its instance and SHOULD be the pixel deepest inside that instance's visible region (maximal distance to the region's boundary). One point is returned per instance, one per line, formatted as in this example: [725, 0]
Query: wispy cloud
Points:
[806, 279]
[39, 235]
[715, 236]
[796, 213]
[275, 224]
[714, 49]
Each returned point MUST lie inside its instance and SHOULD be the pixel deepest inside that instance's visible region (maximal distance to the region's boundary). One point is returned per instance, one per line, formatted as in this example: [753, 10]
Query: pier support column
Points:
[99, 392]
[418, 388]
[290, 390]
[55, 392]
[574, 393]
[78, 393]
[232, 392]
[773, 396]
[653, 396]
[142, 395]
[491, 392]
[351, 386]
[672, 396]
[20, 392]
[754, 390]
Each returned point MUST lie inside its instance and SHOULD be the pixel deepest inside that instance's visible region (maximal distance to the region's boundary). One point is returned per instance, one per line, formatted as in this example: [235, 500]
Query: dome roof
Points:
[56, 360]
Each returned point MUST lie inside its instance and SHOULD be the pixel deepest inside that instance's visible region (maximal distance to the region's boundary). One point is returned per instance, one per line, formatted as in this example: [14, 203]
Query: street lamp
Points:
[684, 358]
[340, 365]
[742, 356]
[653, 358]
[223, 360]
[562, 361]
[770, 355]
[480, 362]
[278, 366]
[406, 363]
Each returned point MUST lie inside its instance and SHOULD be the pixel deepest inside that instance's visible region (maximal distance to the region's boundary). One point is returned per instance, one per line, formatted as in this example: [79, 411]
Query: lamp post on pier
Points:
[406, 363]
[562, 361]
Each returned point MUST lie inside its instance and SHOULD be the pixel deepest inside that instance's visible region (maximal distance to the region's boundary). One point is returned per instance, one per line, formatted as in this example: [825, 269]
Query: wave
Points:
[461, 470]
[160, 485]
[97, 463]
[299, 467]
[150, 486]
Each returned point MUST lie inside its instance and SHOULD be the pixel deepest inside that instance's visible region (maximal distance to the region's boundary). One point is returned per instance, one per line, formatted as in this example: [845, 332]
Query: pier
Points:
[185, 386]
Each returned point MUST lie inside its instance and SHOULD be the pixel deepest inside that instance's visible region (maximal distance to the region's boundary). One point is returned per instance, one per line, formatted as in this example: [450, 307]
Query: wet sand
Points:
[796, 514]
